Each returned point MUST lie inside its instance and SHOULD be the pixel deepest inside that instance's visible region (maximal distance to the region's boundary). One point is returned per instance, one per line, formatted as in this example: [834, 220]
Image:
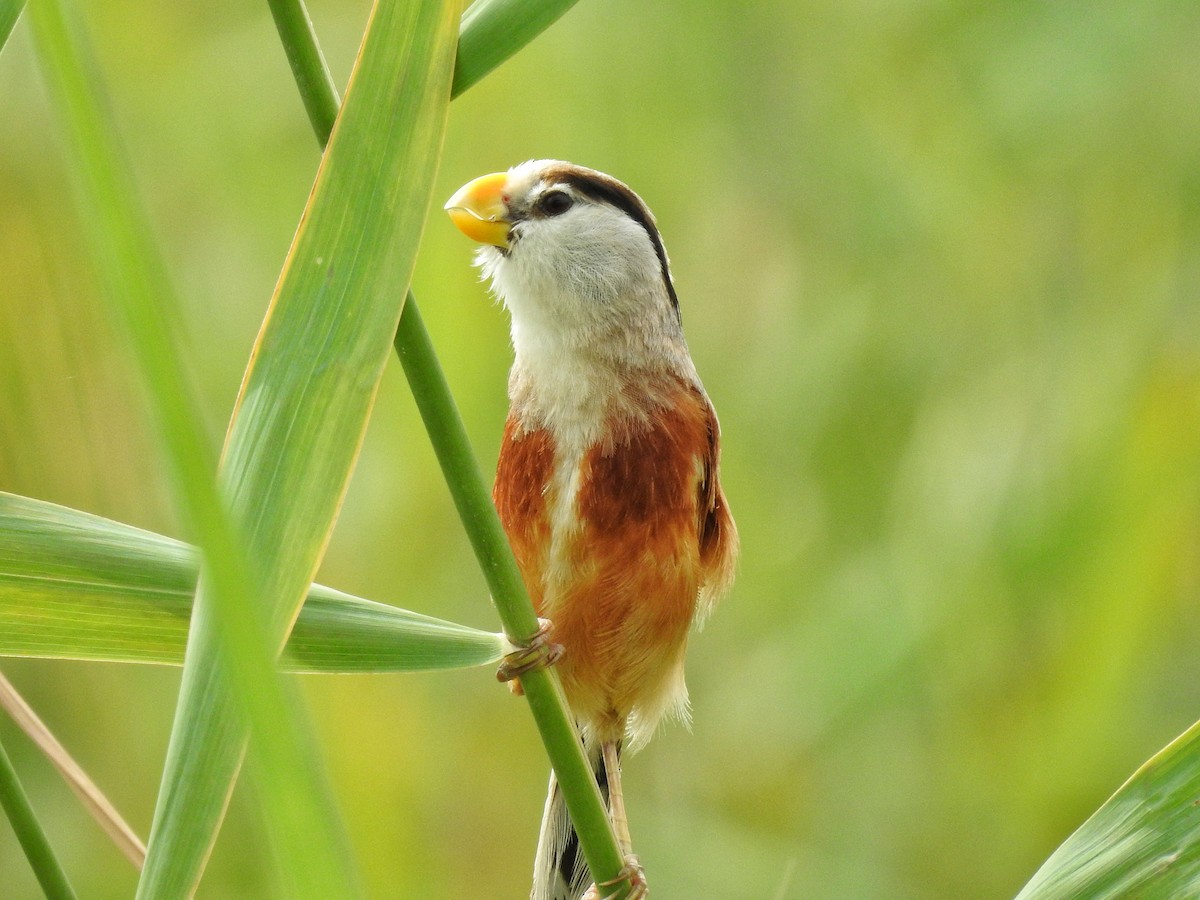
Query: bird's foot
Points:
[538, 652]
[631, 873]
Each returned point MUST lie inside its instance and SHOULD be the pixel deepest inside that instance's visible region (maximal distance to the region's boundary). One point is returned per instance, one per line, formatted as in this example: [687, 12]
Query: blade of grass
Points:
[77, 586]
[1143, 842]
[85, 789]
[301, 822]
[339, 633]
[304, 403]
[46, 868]
[494, 30]
[335, 632]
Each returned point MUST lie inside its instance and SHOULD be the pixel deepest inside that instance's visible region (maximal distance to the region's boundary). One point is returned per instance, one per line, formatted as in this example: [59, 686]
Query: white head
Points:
[576, 258]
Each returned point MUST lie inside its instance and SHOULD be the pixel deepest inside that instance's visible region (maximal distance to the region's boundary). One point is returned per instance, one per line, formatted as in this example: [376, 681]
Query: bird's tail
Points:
[560, 871]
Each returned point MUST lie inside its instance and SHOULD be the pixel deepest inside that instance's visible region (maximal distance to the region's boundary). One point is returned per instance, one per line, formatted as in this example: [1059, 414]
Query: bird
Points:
[607, 483]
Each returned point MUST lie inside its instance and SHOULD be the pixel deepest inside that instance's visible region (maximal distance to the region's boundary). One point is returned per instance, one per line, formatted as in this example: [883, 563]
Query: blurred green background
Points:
[939, 265]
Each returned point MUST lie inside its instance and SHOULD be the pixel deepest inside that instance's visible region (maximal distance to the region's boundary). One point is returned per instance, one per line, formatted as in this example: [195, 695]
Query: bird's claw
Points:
[538, 652]
[633, 873]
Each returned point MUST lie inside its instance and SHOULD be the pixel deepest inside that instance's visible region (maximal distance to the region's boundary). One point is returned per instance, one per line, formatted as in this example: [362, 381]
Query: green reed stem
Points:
[308, 63]
[45, 865]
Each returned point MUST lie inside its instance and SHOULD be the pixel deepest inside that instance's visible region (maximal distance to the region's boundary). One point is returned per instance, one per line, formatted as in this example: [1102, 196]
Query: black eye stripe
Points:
[615, 194]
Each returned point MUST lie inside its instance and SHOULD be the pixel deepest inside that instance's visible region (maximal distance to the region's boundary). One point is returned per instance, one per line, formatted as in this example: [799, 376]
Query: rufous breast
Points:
[615, 541]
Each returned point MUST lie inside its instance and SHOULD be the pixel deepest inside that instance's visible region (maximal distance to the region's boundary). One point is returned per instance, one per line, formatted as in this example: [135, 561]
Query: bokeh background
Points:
[939, 265]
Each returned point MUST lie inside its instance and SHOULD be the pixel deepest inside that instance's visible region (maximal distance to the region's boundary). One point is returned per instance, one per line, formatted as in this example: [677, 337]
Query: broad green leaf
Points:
[301, 415]
[303, 408]
[77, 586]
[302, 825]
[1143, 842]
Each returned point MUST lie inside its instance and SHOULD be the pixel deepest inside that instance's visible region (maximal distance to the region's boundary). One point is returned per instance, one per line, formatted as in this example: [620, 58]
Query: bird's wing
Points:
[717, 531]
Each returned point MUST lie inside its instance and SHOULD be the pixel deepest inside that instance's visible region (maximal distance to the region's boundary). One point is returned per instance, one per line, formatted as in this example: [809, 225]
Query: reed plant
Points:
[237, 607]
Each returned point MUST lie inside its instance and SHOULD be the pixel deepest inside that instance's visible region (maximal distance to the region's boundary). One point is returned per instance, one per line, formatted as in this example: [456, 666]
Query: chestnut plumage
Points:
[608, 480]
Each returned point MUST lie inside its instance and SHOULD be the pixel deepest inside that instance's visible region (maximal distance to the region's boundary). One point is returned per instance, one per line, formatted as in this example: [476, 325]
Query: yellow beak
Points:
[478, 210]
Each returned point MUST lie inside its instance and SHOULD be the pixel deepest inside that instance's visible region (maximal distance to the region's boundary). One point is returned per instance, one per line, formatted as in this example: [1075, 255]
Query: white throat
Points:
[592, 315]
[571, 379]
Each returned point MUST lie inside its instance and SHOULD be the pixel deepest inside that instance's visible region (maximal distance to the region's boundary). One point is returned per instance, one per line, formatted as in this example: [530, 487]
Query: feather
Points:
[559, 870]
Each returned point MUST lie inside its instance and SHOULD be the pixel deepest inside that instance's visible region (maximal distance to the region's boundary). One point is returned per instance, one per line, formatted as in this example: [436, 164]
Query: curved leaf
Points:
[302, 413]
[78, 586]
[1143, 842]
[493, 30]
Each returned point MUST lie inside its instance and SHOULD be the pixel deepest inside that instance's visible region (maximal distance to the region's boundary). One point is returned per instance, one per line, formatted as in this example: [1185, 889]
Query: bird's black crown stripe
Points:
[610, 191]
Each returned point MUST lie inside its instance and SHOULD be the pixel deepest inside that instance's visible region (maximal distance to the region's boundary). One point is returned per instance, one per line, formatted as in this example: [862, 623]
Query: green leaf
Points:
[300, 422]
[1143, 842]
[493, 30]
[77, 586]
[305, 400]
[302, 824]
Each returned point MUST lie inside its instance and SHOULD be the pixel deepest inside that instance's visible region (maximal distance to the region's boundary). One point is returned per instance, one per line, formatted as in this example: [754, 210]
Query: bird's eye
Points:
[555, 203]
